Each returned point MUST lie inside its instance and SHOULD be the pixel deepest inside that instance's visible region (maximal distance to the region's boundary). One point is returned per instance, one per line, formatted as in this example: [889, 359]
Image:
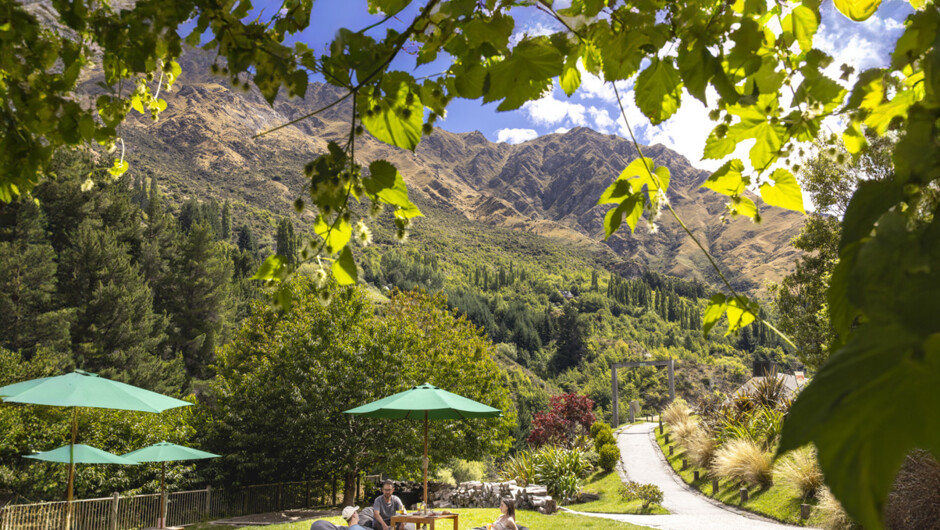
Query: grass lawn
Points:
[780, 502]
[607, 485]
[473, 517]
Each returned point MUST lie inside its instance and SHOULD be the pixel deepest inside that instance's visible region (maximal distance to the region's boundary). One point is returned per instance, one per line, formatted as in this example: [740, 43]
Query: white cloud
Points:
[602, 120]
[594, 87]
[562, 130]
[551, 111]
[516, 136]
[531, 30]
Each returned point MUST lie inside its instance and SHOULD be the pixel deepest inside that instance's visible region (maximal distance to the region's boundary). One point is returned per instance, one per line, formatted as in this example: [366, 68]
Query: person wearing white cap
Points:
[351, 515]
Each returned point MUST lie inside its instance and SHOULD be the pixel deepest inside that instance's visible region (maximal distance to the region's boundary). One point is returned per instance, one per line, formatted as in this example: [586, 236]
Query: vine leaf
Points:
[713, 311]
[389, 7]
[397, 118]
[802, 23]
[728, 179]
[659, 90]
[570, 78]
[740, 312]
[335, 238]
[632, 207]
[344, 268]
[525, 75]
[846, 410]
[386, 183]
[857, 10]
[273, 269]
[785, 192]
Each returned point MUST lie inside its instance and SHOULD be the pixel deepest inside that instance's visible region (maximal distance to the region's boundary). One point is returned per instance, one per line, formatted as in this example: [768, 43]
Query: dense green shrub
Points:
[599, 426]
[649, 494]
[560, 471]
[520, 468]
[604, 438]
[467, 471]
[609, 456]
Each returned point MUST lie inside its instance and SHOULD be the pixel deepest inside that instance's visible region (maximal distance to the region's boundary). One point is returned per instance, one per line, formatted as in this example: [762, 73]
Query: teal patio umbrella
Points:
[431, 403]
[80, 454]
[164, 452]
[85, 389]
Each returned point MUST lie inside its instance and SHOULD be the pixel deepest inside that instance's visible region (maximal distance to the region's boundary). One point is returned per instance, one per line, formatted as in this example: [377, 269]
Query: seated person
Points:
[385, 506]
[351, 515]
[507, 517]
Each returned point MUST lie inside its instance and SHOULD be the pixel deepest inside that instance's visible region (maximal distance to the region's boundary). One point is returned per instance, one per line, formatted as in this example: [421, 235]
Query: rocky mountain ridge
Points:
[207, 145]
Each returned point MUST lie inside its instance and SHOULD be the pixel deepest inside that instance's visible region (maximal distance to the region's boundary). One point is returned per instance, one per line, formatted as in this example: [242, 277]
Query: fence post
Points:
[115, 499]
[358, 486]
[245, 506]
[208, 503]
[306, 494]
[334, 489]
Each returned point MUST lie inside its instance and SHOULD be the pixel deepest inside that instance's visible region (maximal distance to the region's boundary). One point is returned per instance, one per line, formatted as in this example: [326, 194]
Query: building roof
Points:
[792, 383]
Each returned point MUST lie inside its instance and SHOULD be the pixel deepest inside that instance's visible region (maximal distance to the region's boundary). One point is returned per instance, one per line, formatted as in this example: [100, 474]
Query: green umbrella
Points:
[430, 402]
[85, 389]
[80, 454]
[164, 452]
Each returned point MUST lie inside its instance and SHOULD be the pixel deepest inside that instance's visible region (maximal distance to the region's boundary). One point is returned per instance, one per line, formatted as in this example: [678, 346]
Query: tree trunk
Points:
[349, 488]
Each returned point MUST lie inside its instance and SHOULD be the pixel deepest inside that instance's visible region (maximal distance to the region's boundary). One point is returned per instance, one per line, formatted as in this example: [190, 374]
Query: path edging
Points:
[727, 507]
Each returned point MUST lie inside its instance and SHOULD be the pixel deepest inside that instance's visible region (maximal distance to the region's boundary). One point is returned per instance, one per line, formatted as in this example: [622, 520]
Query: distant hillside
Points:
[203, 147]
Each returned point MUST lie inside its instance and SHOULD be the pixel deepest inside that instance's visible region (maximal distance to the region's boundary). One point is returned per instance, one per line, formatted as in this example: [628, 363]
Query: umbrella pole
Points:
[163, 496]
[68, 511]
[425, 459]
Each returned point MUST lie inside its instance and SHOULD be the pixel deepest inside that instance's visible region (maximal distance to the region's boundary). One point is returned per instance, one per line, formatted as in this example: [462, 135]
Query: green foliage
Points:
[609, 456]
[750, 53]
[561, 471]
[597, 427]
[604, 437]
[315, 361]
[466, 470]
[649, 494]
[29, 428]
[519, 467]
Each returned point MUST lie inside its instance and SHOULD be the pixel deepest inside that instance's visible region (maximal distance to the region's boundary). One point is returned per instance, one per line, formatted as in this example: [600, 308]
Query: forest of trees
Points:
[123, 281]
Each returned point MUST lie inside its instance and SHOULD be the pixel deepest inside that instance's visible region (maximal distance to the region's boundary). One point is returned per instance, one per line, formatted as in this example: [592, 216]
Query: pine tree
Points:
[158, 251]
[245, 239]
[30, 318]
[202, 307]
[286, 241]
[190, 214]
[226, 234]
[115, 330]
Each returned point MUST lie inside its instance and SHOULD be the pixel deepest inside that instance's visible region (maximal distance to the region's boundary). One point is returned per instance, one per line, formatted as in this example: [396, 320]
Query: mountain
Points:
[204, 145]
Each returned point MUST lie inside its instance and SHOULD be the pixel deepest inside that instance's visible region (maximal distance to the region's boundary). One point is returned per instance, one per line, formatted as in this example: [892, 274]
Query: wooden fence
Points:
[182, 507]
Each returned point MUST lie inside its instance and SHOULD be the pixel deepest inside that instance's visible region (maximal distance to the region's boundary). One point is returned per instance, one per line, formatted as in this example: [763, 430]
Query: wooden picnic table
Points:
[429, 519]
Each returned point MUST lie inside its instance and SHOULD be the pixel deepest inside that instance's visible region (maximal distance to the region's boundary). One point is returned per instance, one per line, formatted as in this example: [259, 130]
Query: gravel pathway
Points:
[689, 509]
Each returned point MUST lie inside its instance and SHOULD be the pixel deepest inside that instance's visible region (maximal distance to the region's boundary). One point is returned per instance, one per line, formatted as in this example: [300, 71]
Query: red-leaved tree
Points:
[568, 416]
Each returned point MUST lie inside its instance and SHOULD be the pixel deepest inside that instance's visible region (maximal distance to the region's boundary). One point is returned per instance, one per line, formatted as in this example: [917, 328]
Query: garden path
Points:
[689, 510]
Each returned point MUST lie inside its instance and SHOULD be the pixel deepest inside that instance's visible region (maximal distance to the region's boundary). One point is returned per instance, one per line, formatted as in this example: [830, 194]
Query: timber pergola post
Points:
[671, 364]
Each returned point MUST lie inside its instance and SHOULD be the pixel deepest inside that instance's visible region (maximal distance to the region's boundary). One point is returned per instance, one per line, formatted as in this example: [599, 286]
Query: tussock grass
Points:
[700, 447]
[683, 430]
[742, 460]
[800, 469]
[677, 412]
[832, 515]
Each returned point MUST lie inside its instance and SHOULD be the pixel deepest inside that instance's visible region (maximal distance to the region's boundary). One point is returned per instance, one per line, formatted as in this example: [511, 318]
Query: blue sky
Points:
[862, 45]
